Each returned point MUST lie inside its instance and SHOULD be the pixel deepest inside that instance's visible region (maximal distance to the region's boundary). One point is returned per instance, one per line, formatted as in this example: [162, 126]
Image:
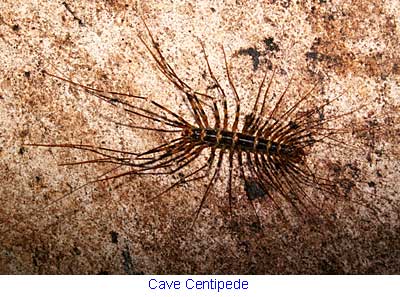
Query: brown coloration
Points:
[271, 149]
[341, 42]
[72, 234]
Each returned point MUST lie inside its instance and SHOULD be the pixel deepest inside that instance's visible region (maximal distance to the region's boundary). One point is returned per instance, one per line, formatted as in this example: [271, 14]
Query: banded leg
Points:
[197, 109]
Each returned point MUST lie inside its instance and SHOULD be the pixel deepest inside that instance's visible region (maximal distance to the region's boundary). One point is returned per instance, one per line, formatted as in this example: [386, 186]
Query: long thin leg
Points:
[164, 146]
[266, 178]
[145, 113]
[101, 94]
[249, 119]
[256, 125]
[189, 177]
[237, 99]
[214, 101]
[183, 180]
[107, 158]
[190, 159]
[224, 102]
[243, 177]
[231, 153]
[198, 111]
[274, 110]
[209, 187]
[166, 159]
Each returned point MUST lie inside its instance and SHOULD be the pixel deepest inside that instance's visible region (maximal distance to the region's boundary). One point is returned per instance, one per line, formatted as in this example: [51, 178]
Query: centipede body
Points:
[267, 148]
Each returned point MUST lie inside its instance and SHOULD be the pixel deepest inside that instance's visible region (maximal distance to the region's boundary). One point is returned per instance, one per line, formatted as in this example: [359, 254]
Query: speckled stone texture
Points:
[111, 227]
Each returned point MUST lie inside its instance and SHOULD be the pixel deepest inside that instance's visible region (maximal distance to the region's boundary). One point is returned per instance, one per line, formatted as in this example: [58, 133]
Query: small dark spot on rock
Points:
[355, 171]
[114, 237]
[27, 74]
[317, 41]
[24, 133]
[21, 151]
[379, 153]
[371, 184]
[268, 63]
[37, 178]
[16, 27]
[212, 9]
[336, 168]
[76, 251]
[254, 54]
[285, 3]
[312, 55]
[255, 227]
[271, 45]
[395, 68]
[321, 115]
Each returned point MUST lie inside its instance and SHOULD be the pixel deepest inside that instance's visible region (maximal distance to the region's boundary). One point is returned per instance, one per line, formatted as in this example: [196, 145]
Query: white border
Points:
[321, 286]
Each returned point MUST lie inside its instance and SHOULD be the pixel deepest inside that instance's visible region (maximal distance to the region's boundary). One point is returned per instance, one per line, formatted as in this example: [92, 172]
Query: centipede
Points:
[268, 149]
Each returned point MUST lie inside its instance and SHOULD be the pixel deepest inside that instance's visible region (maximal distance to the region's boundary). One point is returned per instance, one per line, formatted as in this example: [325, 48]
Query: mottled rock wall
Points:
[111, 227]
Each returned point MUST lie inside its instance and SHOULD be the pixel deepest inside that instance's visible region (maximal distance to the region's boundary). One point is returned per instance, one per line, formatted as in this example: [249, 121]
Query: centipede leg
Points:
[237, 99]
[209, 187]
[243, 177]
[230, 197]
[183, 180]
[256, 125]
[216, 114]
[263, 173]
[249, 119]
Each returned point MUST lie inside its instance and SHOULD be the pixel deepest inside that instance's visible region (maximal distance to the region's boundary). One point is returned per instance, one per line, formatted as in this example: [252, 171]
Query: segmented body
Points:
[242, 142]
